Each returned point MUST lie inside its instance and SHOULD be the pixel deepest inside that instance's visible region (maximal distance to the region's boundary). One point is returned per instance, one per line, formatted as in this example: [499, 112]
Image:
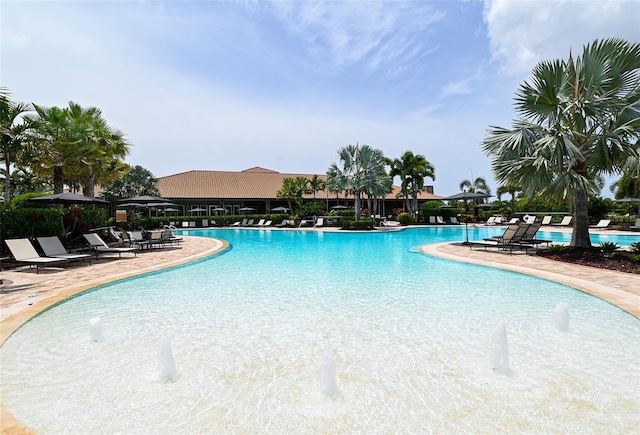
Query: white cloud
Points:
[379, 34]
[524, 32]
[460, 87]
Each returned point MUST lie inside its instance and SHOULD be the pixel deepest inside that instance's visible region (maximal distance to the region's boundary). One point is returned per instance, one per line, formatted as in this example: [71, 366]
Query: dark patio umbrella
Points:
[465, 196]
[196, 210]
[171, 210]
[247, 209]
[67, 198]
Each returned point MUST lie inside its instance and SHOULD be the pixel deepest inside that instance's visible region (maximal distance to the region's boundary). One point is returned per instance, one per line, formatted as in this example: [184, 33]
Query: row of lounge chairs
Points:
[516, 236]
[54, 254]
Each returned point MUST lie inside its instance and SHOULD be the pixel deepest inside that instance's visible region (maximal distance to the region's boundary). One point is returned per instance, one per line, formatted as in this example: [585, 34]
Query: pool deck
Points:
[24, 293]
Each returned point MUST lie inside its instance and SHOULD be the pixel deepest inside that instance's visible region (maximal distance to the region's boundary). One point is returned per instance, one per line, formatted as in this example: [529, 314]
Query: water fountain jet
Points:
[328, 385]
[166, 362]
[561, 315]
[500, 350]
[95, 329]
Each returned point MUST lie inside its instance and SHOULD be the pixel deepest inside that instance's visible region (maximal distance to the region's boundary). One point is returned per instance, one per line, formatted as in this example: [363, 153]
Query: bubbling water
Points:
[166, 362]
[328, 385]
[561, 315]
[500, 350]
[95, 329]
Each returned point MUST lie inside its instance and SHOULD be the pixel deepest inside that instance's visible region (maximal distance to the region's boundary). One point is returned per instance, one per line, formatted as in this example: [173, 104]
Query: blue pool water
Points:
[411, 337]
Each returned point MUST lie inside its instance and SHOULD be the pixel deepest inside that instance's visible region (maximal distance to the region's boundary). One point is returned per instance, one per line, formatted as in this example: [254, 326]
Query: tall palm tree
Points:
[357, 167]
[136, 181]
[412, 170]
[12, 135]
[103, 147]
[512, 189]
[578, 118]
[478, 185]
[317, 184]
[293, 190]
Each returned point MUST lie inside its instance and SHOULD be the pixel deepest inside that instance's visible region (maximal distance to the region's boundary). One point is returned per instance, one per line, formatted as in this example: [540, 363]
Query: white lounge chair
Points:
[23, 252]
[491, 221]
[636, 226]
[53, 247]
[432, 220]
[454, 220]
[440, 220]
[240, 224]
[513, 221]
[260, 223]
[98, 246]
[602, 225]
[529, 219]
[566, 221]
[319, 223]
[546, 220]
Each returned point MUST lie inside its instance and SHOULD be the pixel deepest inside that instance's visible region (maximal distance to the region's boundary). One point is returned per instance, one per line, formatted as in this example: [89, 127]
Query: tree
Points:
[357, 168]
[412, 170]
[103, 147]
[316, 184]
[137, 181]
[578, 119]
[511, 189]
[12, 136]
[294, 189]
[626, 187]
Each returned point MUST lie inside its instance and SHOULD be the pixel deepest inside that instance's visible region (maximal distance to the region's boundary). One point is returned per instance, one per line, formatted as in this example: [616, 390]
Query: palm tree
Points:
[412, 170]
[511, 189]
[294, 189]
[479, 185]
[12, 138]
[579, 118]
[357, 168]
[317, 184]
[103, 147]
[627, 186]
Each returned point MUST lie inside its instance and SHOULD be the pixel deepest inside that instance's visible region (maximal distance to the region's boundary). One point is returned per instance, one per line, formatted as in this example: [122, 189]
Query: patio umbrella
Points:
[247, 209]
[465, 196]
[68, 198]
[171, 210]
[280, 209]
[339, 207]
[630, 200]
[131, 205]
[146, 199]
[219, 209]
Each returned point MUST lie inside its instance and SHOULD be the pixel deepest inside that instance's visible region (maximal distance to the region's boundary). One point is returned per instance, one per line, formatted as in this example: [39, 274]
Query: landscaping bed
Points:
[620, 261]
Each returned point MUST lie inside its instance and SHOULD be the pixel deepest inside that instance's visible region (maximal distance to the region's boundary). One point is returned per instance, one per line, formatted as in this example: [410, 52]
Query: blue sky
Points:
[283, 85]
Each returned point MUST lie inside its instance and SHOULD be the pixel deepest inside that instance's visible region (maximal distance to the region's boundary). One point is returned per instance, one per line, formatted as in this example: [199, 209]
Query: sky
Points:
[226, 86]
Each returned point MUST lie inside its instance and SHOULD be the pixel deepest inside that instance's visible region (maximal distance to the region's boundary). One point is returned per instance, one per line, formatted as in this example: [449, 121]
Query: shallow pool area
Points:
[410, 338]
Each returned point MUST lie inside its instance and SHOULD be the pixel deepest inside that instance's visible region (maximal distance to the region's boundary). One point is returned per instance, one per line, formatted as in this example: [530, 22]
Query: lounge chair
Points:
[98, 246]
[529, 219]
[513, 221]
[491, 221]
[440, 220]
[167, 236]
[284, 223]
[240, 224]
[566, 221]
[23, 252]
[432, 220]
[249, 223]
[529, 236]
[510, 239]
[602, 225]
[52, 247]
[260, 223]
[185, 224]
[454, 220]
[546, 220]
[136, 239]
[636, 226]
[319, 223]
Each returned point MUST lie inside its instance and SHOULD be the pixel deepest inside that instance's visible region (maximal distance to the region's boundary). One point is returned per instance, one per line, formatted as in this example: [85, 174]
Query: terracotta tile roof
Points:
[253, 183]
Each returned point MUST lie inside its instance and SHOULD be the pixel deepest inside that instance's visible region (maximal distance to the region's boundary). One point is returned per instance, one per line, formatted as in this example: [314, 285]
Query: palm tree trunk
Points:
[7, 181]
[89, 185]
[580, 237]
[58, 185]
[357, 204]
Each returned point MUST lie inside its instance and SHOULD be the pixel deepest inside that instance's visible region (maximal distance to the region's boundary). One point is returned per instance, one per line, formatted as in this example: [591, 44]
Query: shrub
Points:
[608, 246]
[556, 248]
[635, 247]
[406, 219]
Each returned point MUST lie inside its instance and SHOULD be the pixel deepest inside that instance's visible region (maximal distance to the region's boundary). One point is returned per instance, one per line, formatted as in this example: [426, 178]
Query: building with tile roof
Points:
[253, 188]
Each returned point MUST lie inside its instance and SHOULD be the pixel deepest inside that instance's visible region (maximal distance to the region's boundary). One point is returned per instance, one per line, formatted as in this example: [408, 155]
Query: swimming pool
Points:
[411, 336]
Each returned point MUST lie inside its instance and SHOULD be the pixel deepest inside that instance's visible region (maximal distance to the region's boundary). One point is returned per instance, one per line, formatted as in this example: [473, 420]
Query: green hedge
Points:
[362, 224]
